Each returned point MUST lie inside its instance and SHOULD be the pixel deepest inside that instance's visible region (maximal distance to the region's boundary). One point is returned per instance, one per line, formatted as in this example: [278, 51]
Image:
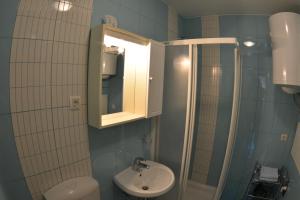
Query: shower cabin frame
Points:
[191, 107]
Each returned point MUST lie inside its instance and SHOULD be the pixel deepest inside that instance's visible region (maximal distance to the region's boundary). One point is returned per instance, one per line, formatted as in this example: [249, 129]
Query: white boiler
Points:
[285, 35]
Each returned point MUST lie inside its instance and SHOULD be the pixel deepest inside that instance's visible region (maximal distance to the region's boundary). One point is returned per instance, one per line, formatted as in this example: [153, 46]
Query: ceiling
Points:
[194, 8]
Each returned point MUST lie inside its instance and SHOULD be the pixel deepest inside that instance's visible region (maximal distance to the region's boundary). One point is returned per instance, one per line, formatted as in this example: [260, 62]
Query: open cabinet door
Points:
[156, 79]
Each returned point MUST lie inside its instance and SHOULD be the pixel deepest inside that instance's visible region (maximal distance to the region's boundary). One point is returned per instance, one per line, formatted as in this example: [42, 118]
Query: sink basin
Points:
[152, 182]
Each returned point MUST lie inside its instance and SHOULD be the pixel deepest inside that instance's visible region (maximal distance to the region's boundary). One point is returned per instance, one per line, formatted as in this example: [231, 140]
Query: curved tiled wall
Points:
[48, 65]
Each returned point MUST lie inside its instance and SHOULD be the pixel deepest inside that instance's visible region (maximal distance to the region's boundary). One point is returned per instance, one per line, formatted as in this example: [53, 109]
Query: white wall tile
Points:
[18, 92]
[13, 106]
[209, 100]
[20, 123]
[48, 65]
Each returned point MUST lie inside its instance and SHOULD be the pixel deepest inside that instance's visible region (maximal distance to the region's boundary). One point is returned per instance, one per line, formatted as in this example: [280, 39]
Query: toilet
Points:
[81, 188]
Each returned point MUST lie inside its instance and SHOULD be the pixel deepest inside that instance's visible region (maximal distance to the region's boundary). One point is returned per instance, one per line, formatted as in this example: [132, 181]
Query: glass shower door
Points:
[173, 119]
[200, 109]
[215, 80]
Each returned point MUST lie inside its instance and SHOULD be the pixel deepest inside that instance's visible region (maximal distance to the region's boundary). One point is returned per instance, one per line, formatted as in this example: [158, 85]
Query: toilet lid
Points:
[72, 189]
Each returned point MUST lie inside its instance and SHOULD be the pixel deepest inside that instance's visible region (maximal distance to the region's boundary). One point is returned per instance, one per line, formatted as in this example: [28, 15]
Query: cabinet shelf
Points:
[119, 118]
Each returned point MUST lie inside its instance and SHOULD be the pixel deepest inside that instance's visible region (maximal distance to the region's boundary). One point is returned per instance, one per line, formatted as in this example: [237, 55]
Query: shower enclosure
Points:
[200, 112]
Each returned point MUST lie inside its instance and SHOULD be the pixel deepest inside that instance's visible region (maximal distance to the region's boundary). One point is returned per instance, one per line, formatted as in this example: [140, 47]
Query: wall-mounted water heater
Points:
[285, 35]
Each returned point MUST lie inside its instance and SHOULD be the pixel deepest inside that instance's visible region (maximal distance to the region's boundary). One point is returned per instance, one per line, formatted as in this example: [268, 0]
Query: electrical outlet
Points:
[75, 102]
[284, 137]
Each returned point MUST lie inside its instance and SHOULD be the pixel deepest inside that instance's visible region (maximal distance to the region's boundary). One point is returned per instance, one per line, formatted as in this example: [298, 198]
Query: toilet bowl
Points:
[81, 188]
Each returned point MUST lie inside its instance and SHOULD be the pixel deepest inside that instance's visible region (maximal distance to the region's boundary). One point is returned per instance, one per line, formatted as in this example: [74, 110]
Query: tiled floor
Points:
[197, 191]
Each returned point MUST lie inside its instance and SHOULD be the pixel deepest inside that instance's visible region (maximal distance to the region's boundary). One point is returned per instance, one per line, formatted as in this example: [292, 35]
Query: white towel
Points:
[269, 174]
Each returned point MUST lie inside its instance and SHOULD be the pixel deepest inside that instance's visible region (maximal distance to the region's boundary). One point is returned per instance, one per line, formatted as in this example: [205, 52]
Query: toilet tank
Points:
[285, 34]
[82, 188]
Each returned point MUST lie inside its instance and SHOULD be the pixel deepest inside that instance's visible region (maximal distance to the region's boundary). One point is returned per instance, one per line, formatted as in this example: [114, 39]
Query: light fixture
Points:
[121, 50]
[63, 5]
[249, 43]
[186, 62]
[182, 63]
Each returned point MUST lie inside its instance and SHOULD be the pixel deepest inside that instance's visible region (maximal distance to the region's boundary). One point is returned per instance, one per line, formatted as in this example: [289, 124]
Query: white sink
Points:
[152, 182]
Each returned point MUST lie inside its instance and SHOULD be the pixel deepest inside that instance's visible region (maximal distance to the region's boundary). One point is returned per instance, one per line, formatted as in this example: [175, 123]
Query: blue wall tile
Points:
[105, 168]
[293, 190]
[191, 28]
[11, 168]
[227, 56]
[265, 112]
[161, 13]
[264, 115]
[228, 25]
[180, 26]
[249, 84]
[129, 20]
[133, 5]
[5, 44]
[246, 26]
[8, 12]
[262, 26]
[221, 136]
[148, 8]
[272, 112]
[11, 175]
[147, 27]
[12, 183]
[106, 146]
[161, 32]
[147, 18]
[113, 149]
[102, 8]
[226, 88]
[16, 190]
[3, 195]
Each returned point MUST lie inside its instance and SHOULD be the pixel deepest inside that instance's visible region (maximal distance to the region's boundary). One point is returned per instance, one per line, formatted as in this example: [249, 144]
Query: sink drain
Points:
[145, 188]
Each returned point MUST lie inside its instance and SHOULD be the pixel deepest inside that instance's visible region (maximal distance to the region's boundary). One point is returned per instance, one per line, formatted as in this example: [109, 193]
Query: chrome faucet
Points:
[139, 164]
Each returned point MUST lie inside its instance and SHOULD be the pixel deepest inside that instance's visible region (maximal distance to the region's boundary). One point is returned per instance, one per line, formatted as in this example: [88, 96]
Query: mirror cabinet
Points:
[125, 77]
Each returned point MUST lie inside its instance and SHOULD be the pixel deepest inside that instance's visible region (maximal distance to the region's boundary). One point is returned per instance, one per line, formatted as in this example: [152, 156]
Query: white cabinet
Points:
[296, 148]
[155, 79]
[142, 75]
